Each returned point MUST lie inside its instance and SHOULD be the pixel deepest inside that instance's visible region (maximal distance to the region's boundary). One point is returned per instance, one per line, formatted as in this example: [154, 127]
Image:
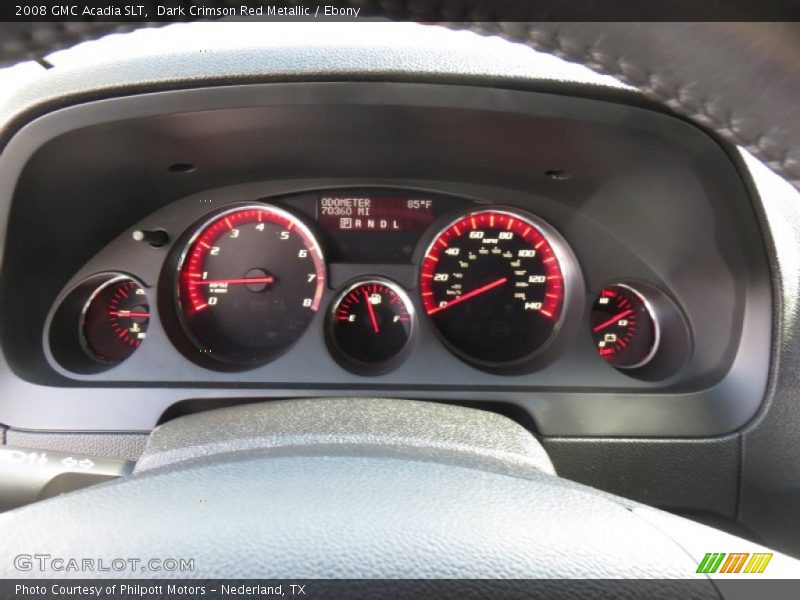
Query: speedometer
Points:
[249, 283]
[496, 285]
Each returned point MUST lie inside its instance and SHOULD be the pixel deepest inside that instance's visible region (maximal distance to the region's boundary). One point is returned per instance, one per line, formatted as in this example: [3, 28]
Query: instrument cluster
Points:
[499, 286]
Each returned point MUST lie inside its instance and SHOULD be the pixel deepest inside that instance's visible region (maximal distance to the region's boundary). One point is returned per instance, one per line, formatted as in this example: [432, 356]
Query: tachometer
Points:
[249, 283]
[496, 284]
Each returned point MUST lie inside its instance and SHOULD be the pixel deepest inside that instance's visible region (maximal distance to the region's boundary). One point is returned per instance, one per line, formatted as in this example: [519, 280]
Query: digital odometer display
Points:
[368, 212]
[493, 286]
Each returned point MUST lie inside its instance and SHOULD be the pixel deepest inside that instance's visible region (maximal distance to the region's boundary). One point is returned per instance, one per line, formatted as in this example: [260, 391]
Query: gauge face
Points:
[249, 283]
[371, 325]
[493, 285]
[114, 320]
[624, 329]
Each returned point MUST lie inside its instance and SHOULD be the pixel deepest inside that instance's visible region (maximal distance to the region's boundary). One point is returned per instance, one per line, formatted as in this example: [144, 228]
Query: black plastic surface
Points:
[366, 488]
[686, 475]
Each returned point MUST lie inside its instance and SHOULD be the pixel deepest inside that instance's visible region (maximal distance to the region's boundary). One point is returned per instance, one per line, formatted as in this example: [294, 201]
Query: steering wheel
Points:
[358, 488]
[379, 488]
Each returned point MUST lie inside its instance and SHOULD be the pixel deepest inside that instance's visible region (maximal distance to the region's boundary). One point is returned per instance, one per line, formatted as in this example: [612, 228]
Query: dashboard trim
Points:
[648, 412]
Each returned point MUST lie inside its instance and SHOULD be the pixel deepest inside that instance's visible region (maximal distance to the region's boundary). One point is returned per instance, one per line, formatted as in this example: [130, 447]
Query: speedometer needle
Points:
[371, 313]
[230, 281]
[613, 319]
[468, 295]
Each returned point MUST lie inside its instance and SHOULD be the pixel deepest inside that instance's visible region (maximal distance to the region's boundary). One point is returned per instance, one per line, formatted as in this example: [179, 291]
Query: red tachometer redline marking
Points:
[468, 295]
[234, 281]
[371, 311]
[193, 287]
[613, 320]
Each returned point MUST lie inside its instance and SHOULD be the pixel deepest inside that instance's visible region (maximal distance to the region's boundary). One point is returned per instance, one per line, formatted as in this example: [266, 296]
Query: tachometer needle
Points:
[468, 295]
[371, 311]
[613, 319]
[232, 281]
[127, 313]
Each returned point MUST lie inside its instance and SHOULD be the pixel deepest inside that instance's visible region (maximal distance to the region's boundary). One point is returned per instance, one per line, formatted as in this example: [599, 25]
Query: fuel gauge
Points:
[371, 325]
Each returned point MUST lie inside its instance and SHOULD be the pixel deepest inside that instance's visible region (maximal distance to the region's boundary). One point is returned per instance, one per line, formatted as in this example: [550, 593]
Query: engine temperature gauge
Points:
[371, 325]
[624, 327]
[114, 320]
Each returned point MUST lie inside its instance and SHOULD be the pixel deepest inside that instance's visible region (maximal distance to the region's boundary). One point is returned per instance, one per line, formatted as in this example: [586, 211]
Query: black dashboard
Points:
[643, 306]
[313, 233]
[666, 373]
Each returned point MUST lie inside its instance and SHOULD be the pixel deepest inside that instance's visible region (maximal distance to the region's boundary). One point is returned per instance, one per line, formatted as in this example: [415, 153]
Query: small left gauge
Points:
[100, 323]
[114, 320]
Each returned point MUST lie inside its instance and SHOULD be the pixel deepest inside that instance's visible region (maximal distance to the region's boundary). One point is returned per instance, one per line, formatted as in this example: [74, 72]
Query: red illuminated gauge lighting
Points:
[494, 284]
[625, 331]
[371, 326]
[249, 283]
[114, 320]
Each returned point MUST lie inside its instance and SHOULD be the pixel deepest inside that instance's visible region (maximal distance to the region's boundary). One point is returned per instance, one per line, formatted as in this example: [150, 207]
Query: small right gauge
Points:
[638, 329]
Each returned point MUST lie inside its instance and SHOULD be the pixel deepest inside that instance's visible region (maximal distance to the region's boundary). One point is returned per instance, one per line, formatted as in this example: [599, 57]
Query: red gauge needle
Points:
[231, 281]
[127, 313]
[468, 295]
[372, 318]
[613, 319]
